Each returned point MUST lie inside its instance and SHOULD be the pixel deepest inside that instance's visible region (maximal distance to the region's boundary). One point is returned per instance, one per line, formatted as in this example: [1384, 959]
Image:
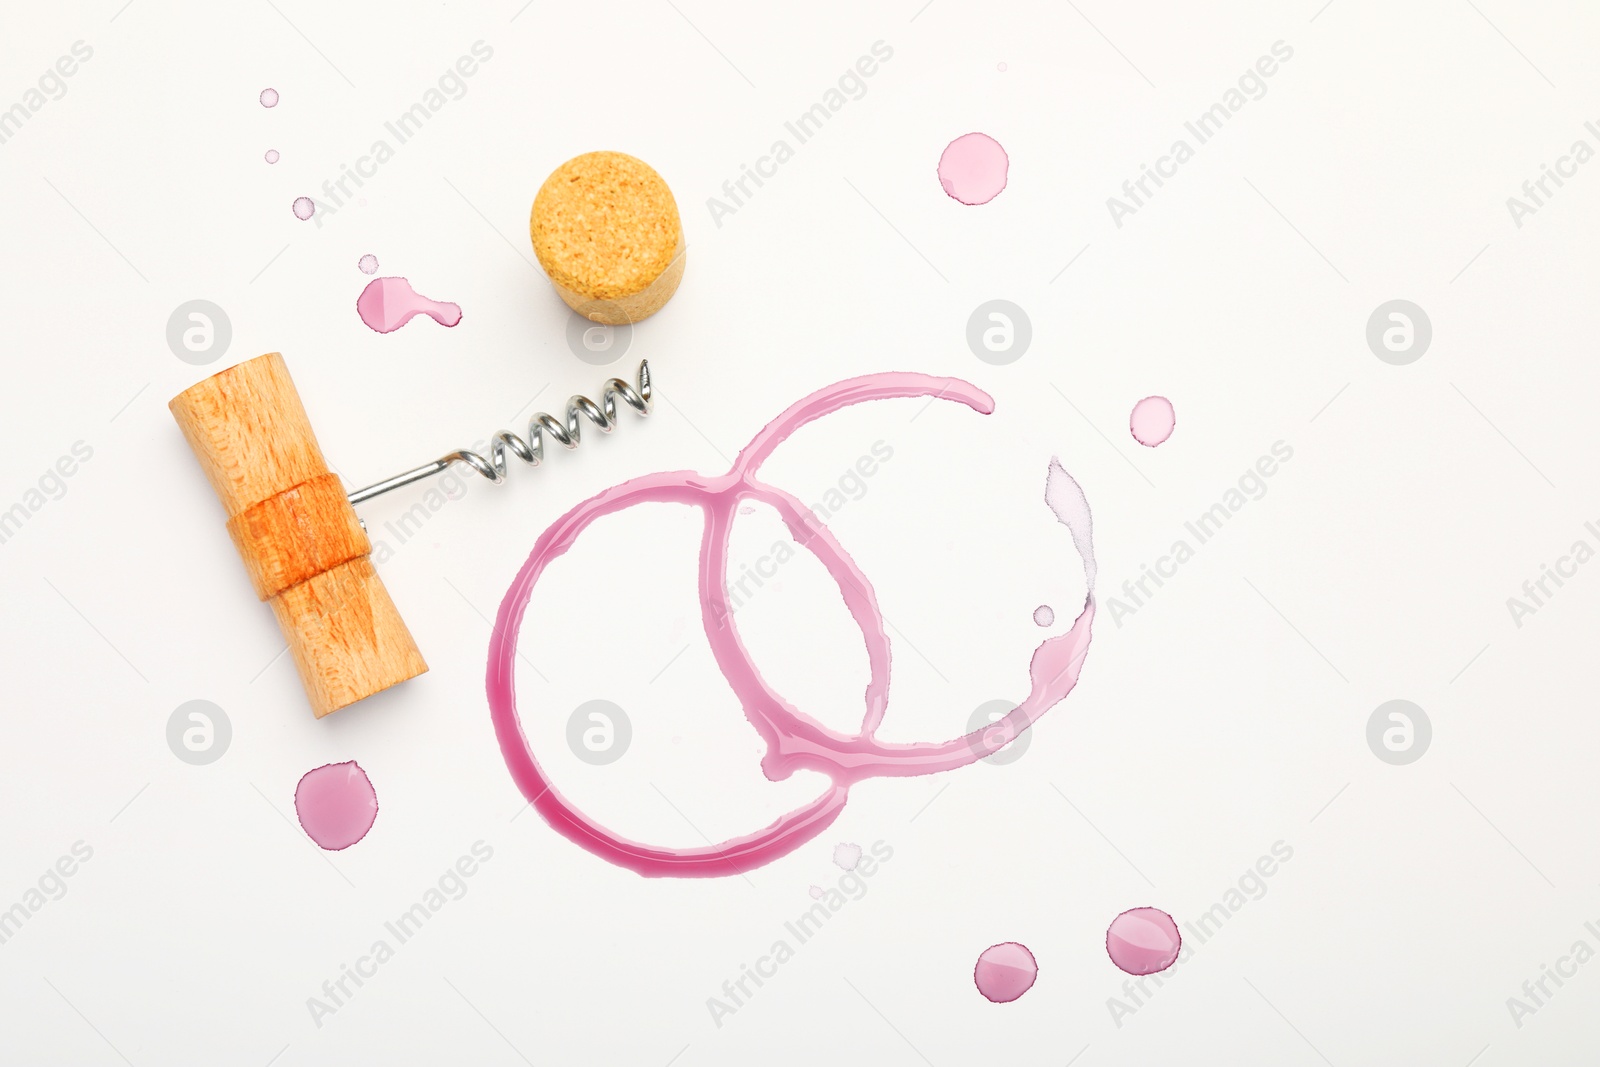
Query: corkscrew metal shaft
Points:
[531, 450]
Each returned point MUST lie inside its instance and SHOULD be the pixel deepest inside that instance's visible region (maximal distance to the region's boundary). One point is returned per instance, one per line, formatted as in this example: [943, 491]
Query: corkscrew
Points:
[568, 434]
[304, 549]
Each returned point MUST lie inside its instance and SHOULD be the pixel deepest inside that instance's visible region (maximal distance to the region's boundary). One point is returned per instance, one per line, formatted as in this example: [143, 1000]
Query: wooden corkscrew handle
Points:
[304, 548]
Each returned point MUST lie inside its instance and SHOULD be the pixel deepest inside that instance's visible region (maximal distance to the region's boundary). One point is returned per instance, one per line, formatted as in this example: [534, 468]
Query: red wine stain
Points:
[387, 304]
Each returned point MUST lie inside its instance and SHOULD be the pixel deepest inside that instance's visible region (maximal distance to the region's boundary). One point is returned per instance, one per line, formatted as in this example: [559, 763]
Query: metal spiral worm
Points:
[568, 433]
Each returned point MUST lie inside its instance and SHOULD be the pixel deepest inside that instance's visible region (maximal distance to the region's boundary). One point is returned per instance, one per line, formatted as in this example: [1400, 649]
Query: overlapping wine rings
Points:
[793, 739]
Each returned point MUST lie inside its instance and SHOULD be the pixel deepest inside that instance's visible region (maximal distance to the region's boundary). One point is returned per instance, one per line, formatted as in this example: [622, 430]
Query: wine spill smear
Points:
[846, 856]
[1143, 941]
[269, 98]
[272, 155]
[793, 739]
[1005, 972]
[1152, 421]
[304, 207]
[367, 264]
[387, 304]
[973, 168]
[1044, 615]
[336, 804]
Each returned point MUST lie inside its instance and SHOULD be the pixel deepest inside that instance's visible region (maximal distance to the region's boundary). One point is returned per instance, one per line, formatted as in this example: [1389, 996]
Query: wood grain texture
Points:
[348, 639]
[294, 536]
[248, 428]
[302, 544]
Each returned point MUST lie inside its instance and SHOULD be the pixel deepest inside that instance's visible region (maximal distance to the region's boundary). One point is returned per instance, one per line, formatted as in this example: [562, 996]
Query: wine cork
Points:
[301, 543]
[606, 230]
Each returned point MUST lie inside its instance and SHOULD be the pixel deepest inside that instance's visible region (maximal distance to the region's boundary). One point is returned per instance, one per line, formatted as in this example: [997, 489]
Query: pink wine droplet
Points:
[336, 804]
[1005, 972]
[387, 304]
[816, 892]
[269, 98]
[367, 264]
[1152, 421]
[272, 155]
[304, 207]
[1001, 67]
[973, 168]
[1143, 941]
[1044, 615]
[846, 856]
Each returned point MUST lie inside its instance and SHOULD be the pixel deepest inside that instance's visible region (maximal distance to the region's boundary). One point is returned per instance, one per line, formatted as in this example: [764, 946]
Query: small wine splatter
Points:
[816, 892]
[336, 805]
[1044, 615]
[1143, 941]
[387, 304]
[269, 98]
[973, 168]
[272, 155]
[367, 264]
[1005, 972]
[846, 856]
[1001, 67]
[1152, 421]
[304, 207]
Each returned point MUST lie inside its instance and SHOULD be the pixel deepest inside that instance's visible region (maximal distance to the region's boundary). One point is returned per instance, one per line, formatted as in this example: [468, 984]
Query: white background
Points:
[1227, 714]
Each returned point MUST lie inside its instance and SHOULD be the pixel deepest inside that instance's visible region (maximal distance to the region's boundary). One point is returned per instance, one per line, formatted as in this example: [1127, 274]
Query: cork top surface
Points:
[605, 225]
